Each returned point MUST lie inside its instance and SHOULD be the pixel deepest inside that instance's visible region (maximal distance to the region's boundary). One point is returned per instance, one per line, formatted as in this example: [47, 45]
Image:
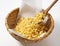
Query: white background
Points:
[7, 40]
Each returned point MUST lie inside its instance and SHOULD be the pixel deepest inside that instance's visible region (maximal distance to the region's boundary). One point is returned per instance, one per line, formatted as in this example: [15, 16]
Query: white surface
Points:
[7, 40]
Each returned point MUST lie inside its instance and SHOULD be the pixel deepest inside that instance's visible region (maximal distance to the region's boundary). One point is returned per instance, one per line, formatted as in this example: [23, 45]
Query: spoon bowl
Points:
[11, 23]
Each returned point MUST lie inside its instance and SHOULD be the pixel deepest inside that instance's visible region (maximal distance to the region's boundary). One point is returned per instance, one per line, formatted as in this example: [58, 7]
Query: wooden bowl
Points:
[11, 21]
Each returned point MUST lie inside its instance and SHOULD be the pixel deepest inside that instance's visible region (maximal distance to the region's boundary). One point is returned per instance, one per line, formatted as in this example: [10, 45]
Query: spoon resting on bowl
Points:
[43, 23]
[46, 13]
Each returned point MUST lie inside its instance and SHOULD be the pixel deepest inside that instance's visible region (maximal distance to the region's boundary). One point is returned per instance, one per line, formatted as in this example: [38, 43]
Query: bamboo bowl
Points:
[11, 22]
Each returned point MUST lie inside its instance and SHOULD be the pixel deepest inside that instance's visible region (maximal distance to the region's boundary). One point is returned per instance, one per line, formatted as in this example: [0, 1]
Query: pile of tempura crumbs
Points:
[29, 27]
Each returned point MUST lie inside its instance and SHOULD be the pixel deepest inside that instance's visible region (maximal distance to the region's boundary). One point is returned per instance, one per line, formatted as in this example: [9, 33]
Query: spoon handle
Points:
[46, 11]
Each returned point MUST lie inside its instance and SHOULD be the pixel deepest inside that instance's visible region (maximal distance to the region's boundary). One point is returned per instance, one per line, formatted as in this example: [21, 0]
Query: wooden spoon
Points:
[46, 13]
